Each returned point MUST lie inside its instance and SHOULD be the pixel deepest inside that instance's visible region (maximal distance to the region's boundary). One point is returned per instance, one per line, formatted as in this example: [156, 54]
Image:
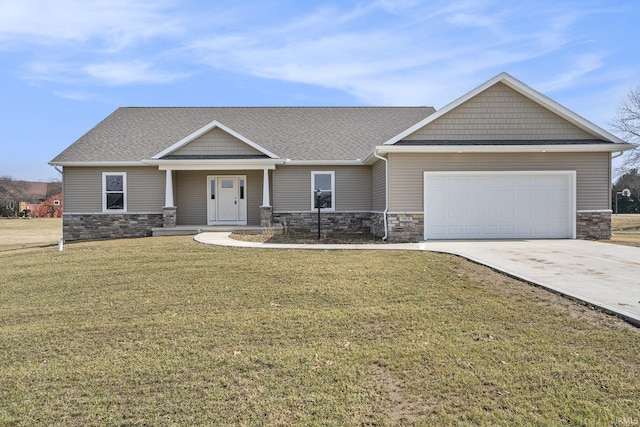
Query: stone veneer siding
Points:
[594, 225]
[108, 226]
[330, 222]
[377, 224]
[266, 216]
[405, 228]
[169, 216]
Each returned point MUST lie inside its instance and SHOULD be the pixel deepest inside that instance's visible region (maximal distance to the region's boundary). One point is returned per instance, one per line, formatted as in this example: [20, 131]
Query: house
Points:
[51, 207]
[17, 197]
[502, 161]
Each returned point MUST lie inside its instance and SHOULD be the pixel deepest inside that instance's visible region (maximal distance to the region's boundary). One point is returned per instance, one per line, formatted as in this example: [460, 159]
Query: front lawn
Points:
[23, 233]
[166, 331]
[625, 229]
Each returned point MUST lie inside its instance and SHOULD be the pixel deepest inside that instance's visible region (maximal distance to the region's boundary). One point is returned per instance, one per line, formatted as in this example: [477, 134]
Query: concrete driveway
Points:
[602, 274]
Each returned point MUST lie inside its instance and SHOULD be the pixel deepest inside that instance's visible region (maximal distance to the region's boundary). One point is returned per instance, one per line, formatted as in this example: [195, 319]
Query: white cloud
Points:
[382, 52]
[402, 62]
[117, 74]
[396, 6]
[74, 95]
[115, 24]
[580, 66]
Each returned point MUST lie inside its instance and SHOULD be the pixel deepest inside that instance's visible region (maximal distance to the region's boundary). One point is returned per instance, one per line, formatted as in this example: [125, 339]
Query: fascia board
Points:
[524, 90]
[323, 162]
[551, 148]
[99, 164]
[225, 164]
[187, 139]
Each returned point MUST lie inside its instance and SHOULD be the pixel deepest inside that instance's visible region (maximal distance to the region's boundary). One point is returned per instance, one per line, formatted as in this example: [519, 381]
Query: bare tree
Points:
[11, 193]
[627, 122]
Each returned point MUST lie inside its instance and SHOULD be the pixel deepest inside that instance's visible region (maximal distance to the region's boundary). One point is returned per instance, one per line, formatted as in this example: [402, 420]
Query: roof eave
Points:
[119, 163]
[355, 162]
[549, 148]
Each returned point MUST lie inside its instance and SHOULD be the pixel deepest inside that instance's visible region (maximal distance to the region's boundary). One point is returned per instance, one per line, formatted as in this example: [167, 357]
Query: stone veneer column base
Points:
[266, 216]
[108, 226]
[593, 225]
[169, 216]
[405, 228]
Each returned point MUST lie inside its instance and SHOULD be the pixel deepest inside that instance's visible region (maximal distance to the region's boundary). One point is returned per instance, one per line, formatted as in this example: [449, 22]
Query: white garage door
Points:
[499, 205]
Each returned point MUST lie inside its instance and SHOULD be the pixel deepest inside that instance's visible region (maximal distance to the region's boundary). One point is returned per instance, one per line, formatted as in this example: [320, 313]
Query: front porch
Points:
[189, 230]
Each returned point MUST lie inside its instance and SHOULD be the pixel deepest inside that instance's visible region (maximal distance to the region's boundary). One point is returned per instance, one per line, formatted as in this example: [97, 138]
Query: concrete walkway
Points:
[601, 274]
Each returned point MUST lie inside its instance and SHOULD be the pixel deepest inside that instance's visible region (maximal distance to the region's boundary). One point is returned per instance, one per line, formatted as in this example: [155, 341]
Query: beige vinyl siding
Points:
[83, 189]
[378, 186]
[191, 195]
[292, 187]
[406, 173]
[216, 142]
[499, 113]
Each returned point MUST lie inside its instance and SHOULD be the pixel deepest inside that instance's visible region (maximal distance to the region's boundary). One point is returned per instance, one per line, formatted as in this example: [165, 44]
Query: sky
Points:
[67, 64]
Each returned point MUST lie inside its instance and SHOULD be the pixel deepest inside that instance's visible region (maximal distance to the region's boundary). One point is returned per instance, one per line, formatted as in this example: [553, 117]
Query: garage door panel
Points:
[499, 205]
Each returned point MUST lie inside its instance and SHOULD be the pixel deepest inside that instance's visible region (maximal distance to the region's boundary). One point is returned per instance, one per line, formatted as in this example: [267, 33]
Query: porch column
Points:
[266, 215]
[265, 189]
[169, 211]
[168, 190]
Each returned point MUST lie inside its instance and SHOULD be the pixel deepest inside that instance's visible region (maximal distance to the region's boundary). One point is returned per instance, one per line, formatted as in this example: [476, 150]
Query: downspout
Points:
[386, 192]
[61, 241]
[615, 156]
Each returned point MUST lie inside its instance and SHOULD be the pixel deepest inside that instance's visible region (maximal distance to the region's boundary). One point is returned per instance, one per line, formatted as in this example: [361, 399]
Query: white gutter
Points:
[220, 164]
[386, 192]
[356, 162]
[99, 164]
[547, 148]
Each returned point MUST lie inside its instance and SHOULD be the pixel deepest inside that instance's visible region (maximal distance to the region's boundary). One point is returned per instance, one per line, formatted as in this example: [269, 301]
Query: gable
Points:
[499, 113]
[216, 143]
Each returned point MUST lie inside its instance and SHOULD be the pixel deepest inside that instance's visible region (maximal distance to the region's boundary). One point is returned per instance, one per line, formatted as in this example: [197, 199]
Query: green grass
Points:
[166, 331]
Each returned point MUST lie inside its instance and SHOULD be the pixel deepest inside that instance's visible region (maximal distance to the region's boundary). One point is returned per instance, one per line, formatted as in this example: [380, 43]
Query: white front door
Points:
[226, 200]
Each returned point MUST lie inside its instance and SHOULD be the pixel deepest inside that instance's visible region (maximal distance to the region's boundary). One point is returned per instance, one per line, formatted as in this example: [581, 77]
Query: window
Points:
[114, 192]
[325, 182]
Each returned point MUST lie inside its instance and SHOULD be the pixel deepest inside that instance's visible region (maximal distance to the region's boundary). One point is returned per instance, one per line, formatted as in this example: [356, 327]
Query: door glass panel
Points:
[242, 189]
[213, 189]
[227, 183]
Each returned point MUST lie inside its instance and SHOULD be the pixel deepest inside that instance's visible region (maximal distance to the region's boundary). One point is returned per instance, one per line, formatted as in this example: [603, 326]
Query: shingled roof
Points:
[297, 133]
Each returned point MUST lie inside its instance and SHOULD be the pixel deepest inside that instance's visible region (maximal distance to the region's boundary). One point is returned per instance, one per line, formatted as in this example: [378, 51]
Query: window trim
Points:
[333, 190]
[104, 192]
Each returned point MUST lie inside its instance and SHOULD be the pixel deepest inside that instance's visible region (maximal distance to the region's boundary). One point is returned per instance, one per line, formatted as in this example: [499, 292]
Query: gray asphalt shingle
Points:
[297, 133]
